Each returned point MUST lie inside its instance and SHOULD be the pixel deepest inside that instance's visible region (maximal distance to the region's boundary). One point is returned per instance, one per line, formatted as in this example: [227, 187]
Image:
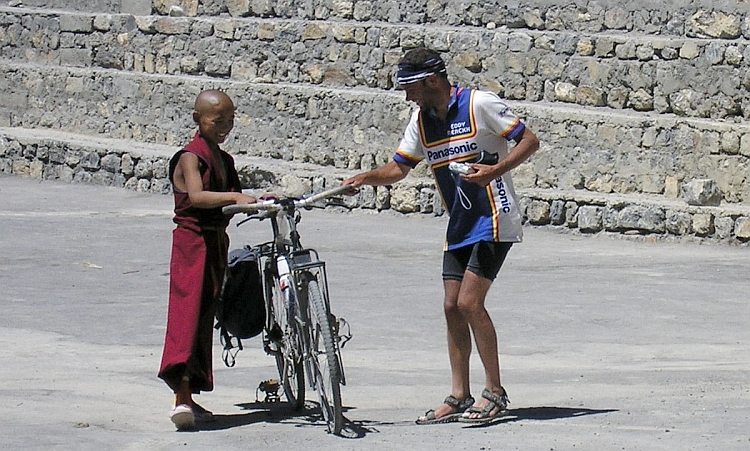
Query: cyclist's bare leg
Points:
[471, 300]
[459, 346]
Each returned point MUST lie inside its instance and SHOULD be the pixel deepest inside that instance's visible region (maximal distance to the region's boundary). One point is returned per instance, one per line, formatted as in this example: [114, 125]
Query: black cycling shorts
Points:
[483, 259]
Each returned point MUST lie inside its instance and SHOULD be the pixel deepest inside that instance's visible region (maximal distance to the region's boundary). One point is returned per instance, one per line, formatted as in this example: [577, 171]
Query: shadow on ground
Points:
[541, 414]
[311, 416]
[280, 413]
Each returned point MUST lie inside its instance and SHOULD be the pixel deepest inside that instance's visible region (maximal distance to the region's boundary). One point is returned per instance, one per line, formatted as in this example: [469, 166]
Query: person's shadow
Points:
[358, 429]
[541, 414]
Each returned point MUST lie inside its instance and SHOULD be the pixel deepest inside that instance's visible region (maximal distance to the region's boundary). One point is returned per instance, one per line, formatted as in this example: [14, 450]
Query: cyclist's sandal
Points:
[497, 403]
[459, 408]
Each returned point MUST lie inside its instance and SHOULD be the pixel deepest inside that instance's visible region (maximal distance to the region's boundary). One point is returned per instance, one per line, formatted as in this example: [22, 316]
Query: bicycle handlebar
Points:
[274, 205]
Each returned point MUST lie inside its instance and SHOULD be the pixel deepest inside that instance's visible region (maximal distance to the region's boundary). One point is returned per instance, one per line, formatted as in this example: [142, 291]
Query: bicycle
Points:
[300, 332]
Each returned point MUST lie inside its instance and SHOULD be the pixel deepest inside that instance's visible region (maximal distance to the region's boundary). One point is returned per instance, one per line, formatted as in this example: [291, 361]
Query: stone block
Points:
[519, 42]
[102, 178]
[538, 212]
[224, 29]
[565, 92]
[294, 186]
[589, 96]
[143, 169]
[742, 227]
[76, 23]
[405, 198]
[126, 165]
[678, 223]
[703, 224]
[571, 214]
[611, 219]
[160, 186]
[76, 57]
[111, 163]
[146, 24]
[136, 7]
[172, 25]
[557, 212]
[690, 50]
[671, 187]
[102, 22]
[143, 185]
[745, 145]
[730, 143]
[426, 201]
[713, 24]
[703, 192]
[382, 198]
[239, 8]
[367, 197]
[590, 219]
[723, 227]
[90, 160]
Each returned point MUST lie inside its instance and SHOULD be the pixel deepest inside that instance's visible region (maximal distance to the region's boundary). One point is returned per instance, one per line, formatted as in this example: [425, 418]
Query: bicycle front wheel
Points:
[288, 341]
[325, 359]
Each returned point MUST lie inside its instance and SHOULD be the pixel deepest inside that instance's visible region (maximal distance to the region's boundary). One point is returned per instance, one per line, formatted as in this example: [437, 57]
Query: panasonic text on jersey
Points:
[504, 200]
[448, 152]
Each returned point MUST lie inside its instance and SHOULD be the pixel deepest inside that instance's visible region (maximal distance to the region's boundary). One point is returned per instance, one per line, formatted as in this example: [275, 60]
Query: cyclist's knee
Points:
[470, 307]
[450, 307]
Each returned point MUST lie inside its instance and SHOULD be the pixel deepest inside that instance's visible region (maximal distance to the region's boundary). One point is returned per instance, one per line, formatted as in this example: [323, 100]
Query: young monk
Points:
[203, 180]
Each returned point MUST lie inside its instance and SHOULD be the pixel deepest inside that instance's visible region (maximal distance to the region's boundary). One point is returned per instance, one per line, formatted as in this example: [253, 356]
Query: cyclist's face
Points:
[420, 93]
[216, 121]
[414, 92]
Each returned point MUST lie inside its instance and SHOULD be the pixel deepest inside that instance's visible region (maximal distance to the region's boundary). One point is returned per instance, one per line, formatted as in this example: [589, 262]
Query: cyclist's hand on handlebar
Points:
[353, 183]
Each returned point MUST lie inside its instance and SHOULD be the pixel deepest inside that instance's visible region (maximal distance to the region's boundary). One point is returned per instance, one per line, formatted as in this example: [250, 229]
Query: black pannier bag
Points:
[241, 308]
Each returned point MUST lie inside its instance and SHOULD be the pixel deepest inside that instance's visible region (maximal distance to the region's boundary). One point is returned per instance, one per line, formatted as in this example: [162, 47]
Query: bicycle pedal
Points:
[271, 388]
[344, 337]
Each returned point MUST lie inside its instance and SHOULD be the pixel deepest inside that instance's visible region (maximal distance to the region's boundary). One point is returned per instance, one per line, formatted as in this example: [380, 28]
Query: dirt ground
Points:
[606, 344]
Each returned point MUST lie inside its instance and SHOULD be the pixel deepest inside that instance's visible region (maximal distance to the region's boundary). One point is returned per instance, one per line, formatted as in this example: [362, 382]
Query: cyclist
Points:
[203, 180]
[455, 124]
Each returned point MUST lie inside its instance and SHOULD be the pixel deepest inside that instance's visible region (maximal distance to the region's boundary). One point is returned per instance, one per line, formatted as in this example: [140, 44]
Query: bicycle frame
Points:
[314, 339]
[300, 261]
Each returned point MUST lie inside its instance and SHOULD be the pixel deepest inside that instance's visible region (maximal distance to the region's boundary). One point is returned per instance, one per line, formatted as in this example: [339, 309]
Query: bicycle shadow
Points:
[279, 413]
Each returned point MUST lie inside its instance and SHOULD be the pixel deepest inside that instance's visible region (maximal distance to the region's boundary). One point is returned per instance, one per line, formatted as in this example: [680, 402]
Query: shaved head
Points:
[209, 100]
[214, 114]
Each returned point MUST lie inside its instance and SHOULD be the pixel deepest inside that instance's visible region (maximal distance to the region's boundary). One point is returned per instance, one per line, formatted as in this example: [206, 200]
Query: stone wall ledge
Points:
[596, 149]
[614, 68]
[56, 155]
[724, 19]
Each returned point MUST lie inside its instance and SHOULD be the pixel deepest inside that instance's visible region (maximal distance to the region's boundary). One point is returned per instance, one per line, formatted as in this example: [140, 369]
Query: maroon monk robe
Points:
[199, 258]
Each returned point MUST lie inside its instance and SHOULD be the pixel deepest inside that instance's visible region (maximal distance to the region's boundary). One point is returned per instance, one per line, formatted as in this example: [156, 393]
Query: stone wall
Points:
[53, 155]
[629, 100]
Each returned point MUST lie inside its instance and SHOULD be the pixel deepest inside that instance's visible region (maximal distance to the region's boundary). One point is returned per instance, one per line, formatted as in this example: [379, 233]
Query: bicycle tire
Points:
[289, 354]
[325, 359]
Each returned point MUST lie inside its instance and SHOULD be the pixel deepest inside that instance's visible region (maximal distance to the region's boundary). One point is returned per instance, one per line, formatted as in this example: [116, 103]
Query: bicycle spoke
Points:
[325, 360]
[288, 358]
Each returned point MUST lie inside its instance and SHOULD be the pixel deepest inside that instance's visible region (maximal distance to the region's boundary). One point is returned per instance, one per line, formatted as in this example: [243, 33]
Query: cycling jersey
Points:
[476, 121]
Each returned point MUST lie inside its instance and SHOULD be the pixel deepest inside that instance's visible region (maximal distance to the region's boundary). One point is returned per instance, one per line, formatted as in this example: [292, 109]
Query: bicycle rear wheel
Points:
[325, 359]
[285, 334]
